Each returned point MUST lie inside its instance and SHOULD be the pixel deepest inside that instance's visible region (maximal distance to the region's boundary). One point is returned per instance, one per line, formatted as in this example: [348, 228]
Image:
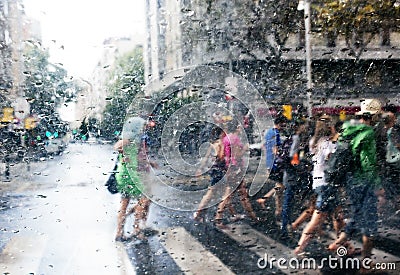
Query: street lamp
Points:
[305, 5]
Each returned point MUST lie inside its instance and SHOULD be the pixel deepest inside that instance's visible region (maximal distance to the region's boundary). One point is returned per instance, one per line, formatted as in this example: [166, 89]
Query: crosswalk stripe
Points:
[389, 233]
[97, 254]
[189, 254]
[263, 245]
[22, 254]
[378, 256]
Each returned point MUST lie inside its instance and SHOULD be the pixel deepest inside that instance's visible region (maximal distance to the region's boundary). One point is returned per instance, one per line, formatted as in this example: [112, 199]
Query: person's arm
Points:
[204, 160]
[120, 144]
[396, 136]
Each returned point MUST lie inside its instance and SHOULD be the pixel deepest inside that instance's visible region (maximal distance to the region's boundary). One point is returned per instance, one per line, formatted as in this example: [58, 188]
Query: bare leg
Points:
[226, 199]
[244, 200]
[204, 201]
[262, 200]
[367, 246]
[141, 211]
[338, 220]
[341, 240]
[305, 215]
[316, 220]
[279, 199]
[122, 217]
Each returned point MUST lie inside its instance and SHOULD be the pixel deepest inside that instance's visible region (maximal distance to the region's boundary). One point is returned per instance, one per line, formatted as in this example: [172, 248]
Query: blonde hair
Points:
[322, 129]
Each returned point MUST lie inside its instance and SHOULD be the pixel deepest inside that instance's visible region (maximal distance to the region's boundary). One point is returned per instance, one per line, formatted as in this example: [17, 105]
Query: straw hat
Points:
[370, 106]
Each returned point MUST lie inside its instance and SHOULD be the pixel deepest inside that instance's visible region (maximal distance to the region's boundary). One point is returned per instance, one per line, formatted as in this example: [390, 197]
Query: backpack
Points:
[392, 153]
[339, 164]
[282, 159]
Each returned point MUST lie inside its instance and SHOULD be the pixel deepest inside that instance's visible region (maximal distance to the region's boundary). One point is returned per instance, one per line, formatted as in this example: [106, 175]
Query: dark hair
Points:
[280, 119]
[366, 116]
[215, 133]
[338, 126]
[232, 125]
[390, 108]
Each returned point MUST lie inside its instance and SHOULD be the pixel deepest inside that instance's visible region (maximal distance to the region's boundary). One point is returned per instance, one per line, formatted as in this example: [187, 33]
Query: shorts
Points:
[216, 175]
[276, 175]
[363, 207]
[327, 198]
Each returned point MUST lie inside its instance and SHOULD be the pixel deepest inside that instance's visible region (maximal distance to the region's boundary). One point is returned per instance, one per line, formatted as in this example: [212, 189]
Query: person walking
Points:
[234, 150]
[363, 179]
[131, 148]
[296, 175]
[322, 145]
[272, 144]
[215, 154]
[392, 161]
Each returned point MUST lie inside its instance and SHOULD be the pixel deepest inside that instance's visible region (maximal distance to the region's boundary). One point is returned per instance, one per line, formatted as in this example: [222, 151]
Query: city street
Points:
[58, 218]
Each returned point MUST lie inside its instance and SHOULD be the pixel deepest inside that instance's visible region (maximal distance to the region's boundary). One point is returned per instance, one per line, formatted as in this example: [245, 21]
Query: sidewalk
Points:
[20, 174]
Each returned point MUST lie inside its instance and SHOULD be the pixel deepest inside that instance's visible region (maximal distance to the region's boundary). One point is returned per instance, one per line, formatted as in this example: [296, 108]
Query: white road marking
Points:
[97, 254]
[189, 254]
[270, 251]
[22, 254]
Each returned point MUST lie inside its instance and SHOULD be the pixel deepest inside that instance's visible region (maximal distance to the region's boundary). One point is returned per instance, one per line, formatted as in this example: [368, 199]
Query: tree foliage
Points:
[358, 21]
[257, 28]
[45, 86]
[126, 81]
[270, 23]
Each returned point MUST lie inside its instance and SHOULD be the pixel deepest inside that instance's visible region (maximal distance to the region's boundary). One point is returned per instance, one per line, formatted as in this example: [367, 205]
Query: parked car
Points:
[56, 145]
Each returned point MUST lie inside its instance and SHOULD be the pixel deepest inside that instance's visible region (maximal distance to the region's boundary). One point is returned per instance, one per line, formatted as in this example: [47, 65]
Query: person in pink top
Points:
[234, 151]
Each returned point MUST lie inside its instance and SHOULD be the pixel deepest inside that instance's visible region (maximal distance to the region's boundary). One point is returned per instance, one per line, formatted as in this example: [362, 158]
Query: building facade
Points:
[17, 29]
[244, 37]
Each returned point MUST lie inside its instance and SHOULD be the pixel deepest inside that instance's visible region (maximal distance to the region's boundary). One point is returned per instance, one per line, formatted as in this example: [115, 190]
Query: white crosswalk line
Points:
[89, 254]
[378, 256]
[22, 254]
[389, 233]
[97, 254]
[269, 250]
[189, 254]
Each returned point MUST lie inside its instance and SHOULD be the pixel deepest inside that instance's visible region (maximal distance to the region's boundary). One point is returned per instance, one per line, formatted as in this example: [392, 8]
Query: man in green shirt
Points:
[363, 180]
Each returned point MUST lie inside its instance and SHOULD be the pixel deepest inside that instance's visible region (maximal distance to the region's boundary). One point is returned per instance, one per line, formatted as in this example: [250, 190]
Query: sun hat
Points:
[370, 106]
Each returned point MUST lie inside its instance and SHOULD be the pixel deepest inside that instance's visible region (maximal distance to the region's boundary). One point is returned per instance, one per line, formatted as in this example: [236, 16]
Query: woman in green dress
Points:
[130, 148]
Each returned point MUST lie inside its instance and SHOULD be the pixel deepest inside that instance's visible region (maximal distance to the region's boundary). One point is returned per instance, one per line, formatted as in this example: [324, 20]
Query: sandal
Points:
[261, 202]
[197, 216]
[350, 249]
[121, 239]
[218, 223]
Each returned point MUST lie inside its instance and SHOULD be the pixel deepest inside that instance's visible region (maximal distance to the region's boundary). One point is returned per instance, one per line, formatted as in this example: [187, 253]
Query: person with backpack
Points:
[296, 170]
[216, 155]
[359, 171]
[272, 144]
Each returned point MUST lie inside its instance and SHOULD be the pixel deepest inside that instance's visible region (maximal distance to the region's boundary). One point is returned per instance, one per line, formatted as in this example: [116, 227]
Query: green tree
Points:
[257, 28]
[358, 21]
[45, 86]
[126, 81]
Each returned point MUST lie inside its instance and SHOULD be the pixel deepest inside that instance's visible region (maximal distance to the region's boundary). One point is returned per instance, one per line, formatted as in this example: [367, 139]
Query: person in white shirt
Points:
[322, 145]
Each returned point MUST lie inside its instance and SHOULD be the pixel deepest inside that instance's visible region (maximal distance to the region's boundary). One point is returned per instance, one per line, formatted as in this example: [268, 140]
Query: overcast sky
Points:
[75, 29]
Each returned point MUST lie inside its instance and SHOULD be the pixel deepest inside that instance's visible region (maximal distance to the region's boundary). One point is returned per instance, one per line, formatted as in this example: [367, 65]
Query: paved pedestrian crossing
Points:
[190, 255]
[186, 249]
[90, 254]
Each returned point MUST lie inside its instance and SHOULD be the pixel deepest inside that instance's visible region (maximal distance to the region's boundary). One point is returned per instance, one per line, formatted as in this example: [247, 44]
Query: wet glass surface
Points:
[244, 137]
